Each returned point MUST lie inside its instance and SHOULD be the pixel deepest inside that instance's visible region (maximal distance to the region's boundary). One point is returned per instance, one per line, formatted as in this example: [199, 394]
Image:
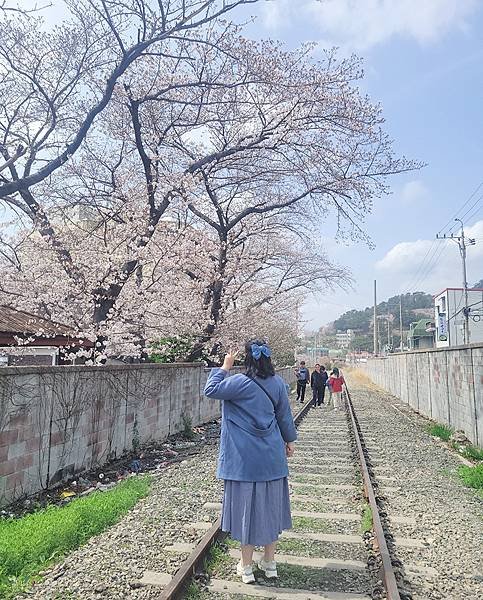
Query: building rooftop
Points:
[418, 329]
[19, 322]
[457, 289]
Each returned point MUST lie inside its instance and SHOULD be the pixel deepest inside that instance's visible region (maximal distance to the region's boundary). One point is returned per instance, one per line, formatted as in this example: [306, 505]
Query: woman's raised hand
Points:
[229, 360]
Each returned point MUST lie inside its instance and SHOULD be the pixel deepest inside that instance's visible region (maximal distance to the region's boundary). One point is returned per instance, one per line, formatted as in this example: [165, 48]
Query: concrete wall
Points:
[55, 421]
[444, 384]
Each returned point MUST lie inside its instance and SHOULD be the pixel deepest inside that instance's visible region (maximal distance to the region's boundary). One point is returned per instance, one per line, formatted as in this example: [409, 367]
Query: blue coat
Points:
[253, 430]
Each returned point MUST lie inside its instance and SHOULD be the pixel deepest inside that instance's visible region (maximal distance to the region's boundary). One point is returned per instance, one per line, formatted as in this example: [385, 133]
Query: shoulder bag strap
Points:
[262, 388]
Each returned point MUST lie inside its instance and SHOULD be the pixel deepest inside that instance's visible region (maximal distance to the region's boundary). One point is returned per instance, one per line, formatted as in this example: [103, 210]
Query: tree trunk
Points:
[213, 301]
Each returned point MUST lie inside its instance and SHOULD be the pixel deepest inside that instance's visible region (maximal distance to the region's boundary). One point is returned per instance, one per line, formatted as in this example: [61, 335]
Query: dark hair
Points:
[302, 362]
[335, 371]
[317, 364]
[322, 367]
[257, 368]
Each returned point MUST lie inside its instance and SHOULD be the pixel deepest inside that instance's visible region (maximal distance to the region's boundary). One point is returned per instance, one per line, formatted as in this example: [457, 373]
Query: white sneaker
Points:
[269, 568]
[246, 573]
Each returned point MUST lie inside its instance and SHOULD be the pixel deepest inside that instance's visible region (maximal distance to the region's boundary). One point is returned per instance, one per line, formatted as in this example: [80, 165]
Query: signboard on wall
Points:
[442, 327]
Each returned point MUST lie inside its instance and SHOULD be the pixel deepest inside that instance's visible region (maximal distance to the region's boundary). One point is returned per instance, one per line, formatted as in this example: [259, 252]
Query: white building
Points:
[450, 317]
[344, 339]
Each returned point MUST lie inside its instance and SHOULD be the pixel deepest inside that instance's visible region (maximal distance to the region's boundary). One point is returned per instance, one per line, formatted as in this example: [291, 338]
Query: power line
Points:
[434, 260]
[474, 213]
[471, 208]
[432, 246]
[431, 256]
[461, 208]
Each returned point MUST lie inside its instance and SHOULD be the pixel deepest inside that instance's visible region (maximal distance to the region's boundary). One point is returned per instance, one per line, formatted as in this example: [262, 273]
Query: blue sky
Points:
[424, 63]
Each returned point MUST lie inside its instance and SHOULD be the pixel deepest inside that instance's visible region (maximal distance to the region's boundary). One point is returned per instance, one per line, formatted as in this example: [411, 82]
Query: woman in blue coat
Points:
[257, 435]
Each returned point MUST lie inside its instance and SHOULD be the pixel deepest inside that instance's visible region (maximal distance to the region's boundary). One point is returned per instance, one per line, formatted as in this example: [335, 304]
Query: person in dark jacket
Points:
[318, 382]
[257, 435]
[303, 377]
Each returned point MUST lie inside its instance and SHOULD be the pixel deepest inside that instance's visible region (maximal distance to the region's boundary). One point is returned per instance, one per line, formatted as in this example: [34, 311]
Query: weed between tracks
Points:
[366, 524]
[220, 565]
[310, 524]
[305, 491]
[33, 542]
[216, 561]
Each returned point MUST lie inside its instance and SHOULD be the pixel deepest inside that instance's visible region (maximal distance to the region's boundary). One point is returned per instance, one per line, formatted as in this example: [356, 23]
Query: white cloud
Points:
[361, 24]
[432, 265]
[277, 13]
[414, 193]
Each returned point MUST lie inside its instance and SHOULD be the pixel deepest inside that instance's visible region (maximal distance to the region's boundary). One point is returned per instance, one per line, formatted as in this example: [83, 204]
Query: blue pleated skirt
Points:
[256, 513]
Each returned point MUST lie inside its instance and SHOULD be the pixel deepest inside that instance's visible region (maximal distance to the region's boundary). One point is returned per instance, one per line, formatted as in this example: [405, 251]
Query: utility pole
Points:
[463, 243]
[462, 246]
[400, 323]
[375, 318]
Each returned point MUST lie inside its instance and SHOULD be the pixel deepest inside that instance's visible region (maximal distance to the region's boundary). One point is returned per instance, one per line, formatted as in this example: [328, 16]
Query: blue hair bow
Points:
[257, 351]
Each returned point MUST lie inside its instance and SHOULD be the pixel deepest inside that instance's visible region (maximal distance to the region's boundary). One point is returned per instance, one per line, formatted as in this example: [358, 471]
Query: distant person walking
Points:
[303, 378]
[336, 382]
[318, 381]
[257, 435]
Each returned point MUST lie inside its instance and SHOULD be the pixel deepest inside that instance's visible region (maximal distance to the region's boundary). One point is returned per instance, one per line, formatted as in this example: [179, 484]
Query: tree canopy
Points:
[160, 171]
[361, 320]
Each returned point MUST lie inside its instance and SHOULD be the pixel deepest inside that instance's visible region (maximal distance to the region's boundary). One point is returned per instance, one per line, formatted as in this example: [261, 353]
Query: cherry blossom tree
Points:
[64, 78]
[204, 162]
[168, 300]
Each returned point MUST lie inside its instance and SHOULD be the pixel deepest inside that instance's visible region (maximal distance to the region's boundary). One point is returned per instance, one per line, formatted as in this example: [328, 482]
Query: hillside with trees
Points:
[412, 303]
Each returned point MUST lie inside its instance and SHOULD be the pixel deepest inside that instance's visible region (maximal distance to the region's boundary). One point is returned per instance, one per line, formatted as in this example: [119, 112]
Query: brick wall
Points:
[55, 421]
[444, 384]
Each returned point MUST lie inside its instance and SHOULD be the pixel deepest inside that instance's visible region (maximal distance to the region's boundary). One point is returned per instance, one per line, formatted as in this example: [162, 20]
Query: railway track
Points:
[327, 555]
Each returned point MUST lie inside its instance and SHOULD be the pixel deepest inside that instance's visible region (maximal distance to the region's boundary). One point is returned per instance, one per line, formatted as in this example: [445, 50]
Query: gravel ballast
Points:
[110, 565]
[427, 488]
[448, 515]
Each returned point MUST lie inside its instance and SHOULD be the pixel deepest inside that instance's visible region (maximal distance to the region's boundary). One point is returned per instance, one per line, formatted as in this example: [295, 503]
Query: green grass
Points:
[444, 432]
[29, 544]
[472, 476]
[441, 431]
[193, 592]
[306, 491]
[366, 523]
[309, 524]
[473, 453]
[296, 576]
[217, 560]
[307, 478]
[299, 547]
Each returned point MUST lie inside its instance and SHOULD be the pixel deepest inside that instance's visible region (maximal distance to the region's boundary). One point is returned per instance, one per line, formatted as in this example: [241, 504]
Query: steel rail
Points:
[188, 569]
[176, 587]
[386, 571]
